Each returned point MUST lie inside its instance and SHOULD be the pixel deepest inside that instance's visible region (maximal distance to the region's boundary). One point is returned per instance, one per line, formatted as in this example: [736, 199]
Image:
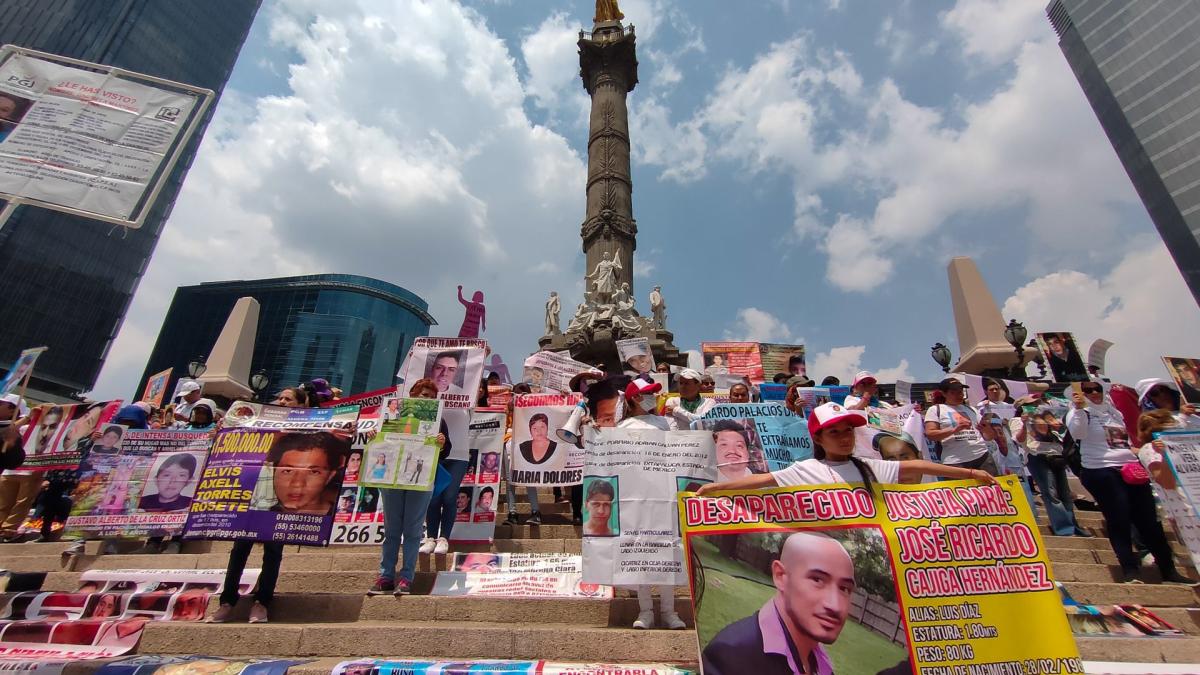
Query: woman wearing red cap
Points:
[832, 429]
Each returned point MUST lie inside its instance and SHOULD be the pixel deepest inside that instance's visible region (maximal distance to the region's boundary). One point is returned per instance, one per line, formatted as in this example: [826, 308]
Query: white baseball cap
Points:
[689, 374]
[189, 387]
[18, 402]
[862, 376]
[828, 414]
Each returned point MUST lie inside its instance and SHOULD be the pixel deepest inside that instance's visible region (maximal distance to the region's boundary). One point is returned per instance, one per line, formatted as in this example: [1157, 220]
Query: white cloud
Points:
[381, 160]
[757, 325]
[844, 362]
[1141, 304]
[995, 30]
[550, 55]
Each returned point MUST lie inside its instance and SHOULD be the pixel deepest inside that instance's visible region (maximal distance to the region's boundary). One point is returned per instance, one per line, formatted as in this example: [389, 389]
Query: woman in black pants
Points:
[296, 397]
[1104, 448]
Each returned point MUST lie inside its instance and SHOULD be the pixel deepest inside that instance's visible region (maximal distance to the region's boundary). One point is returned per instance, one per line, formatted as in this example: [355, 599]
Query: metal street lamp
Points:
[1015, 333]
[196, 368]
[259, 382]
[941, 354]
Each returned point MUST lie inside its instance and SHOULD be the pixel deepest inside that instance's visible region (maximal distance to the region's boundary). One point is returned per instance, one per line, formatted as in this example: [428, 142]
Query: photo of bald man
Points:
[814, 581]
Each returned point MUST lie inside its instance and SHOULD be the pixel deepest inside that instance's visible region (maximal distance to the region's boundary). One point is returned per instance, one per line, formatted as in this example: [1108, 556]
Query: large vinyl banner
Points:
[143, 487]
[756, 438]
[479, 492]
[779, 358]
[54, 431]
[274, 477]
[733, 358]
[933, 579]
[539, 456]
[552, 371]
[629, 488]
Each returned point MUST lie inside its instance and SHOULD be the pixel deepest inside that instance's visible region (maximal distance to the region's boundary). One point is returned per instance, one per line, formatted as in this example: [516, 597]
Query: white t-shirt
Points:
[853, 400]
[642, 422]
[964, 446]
[824, 472]
[1187, 525]
[1103, 440]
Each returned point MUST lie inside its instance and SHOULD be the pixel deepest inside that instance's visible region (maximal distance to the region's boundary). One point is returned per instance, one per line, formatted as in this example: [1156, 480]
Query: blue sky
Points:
[803, 171]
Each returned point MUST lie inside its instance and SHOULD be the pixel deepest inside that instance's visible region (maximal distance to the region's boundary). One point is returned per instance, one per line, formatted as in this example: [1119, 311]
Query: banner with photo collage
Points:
[629, 488]
[539, 456]
[274, 474]
[142, 487]
[948, 577]
[479, 492]
[359, 515]
[518, 575]
[781, 358]
[52, 436]
[404, 454]
[552, 371]
[733, 358]
[755, 438]
[104, 617]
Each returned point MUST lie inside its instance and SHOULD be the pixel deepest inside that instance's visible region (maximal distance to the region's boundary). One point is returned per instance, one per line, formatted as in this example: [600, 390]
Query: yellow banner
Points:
[947, 578]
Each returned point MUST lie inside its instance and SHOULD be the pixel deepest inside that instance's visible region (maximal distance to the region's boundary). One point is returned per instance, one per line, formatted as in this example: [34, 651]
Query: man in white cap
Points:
[689, 405]
[190, 393]
[17, 488]
[864, 392]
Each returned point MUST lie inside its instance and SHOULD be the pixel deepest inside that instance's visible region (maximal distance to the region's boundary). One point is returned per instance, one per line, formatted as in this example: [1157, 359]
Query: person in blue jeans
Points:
[404, 513]
[443, 508]
[1041, 434]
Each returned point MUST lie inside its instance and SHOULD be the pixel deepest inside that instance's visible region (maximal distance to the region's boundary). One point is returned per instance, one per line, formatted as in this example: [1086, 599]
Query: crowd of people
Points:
[1102, 433]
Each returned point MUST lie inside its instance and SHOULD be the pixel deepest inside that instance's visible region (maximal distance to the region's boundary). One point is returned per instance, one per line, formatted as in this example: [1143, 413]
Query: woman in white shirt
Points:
[1103, 449]
[832, 429]
[1176, 504]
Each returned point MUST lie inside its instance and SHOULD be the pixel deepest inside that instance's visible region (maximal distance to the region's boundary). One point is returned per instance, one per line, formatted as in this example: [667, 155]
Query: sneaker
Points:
[1130, 577]
[382, 585]
[222, 615]
[427, 545]
[442, 547]
[534, 518]
[512, 518]
[258, 613]
[1080, 532]
[644, 620]
[403, 587]
[1174, 577]
[672, 621]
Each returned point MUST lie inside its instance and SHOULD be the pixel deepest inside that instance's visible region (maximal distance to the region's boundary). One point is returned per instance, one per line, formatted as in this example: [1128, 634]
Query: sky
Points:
[803, 172]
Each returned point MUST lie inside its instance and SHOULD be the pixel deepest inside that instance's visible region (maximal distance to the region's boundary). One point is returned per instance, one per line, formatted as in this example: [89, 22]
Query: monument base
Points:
[598, 346]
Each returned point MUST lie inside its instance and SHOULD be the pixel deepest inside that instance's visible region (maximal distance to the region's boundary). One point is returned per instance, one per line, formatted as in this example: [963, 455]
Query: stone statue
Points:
[585, 315]
[658, 307]
[607, 10]
[552, 309]
[621, 297]
[625, 316]
[604, 276]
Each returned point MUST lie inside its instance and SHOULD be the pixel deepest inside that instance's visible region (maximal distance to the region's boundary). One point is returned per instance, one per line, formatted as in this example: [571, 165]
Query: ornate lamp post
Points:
[941, 354]
[196, 368]
[259, 382]
[1015, 334]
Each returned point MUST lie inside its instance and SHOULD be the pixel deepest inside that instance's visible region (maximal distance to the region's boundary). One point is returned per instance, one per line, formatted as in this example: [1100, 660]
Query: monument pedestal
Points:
[599, 346]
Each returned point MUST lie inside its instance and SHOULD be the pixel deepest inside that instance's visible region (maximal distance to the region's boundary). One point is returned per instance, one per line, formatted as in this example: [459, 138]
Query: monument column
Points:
[608, 67]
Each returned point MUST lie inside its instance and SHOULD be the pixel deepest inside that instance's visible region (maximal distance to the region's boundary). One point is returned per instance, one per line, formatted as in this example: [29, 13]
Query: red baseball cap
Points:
[829, 414]
[639, 387]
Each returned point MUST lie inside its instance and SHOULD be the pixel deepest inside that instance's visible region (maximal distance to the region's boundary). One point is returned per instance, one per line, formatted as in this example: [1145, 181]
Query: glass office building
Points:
[67, 280]
[353, 331]
[1139, 66]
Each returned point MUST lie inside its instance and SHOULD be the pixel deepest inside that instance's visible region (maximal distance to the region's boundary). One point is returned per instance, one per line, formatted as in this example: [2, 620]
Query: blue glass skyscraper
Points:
[67, 281]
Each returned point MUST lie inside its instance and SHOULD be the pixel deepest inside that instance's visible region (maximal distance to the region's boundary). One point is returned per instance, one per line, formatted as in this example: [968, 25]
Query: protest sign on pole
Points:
[22, 368]
[1186, 374]
[479, 492]
[756, 438]
[89, 139]
[275, 476]
[142, 487]
[156, 387]
[539, 456]
[518, 575]
[1062, 357]
[52, 438]
[552, 371]
[941, 577]
[404, 454]
[629, 489]
[780, 358]
[636, 357]
[738, 358]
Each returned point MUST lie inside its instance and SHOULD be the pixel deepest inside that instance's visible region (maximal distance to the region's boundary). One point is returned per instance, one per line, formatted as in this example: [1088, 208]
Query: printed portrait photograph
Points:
[484, 509]
[1186, 373]
[826, 595]
[105, 606]
[302, 473]
[75, 632]
[448, 370]
[601, 506]
[686, 484]
[1062, 357]
[535, 442]
[739, 450]
[172, 481]
[27, 631]
[477, 562]
[151, 605]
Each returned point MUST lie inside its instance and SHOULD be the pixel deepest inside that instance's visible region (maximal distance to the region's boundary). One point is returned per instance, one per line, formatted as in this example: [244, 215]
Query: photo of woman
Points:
[172, 479]
[539, 449]
[105, 605]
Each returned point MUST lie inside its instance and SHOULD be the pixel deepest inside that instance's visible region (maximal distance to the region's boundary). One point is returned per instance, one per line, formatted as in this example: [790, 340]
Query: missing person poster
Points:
[636, 357]
[928, 579]
[404, 454]
[276, 477]
[1186, 374]
[359, 515]
[779, 358]
[518, 575]
[54, 432]
[736, 358]
[156, 387]
[539, 456]
[756, 438]
[552, 371]
[479, 492]
[19, 370]
[629, 487]
[453, 365]
[1183, 456]
[141, 486]
[1062, 357]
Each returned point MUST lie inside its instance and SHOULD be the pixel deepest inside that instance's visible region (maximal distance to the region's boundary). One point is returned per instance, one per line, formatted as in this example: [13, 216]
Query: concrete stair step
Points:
[1093, 572]
[457, 640]
[547, 519]
[1105, 557]
[1150, 595]
[1101, 543]
[1140, 650]
[572, 546]
[302, 607]
[617, 612]
[525, 508]
[506, 531]
[1186, 619]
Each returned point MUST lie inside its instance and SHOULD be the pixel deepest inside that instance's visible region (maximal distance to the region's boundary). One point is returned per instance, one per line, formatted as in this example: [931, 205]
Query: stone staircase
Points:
[321, 610]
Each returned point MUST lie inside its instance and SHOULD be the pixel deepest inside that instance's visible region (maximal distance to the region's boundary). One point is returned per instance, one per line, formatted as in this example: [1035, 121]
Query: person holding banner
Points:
[1126, 500]
[404, 514]
[1166, 488]
[689, 405]
[833, 462]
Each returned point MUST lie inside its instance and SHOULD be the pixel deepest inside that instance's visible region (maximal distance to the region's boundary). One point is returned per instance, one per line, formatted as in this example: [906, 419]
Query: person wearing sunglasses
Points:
[1158, 394]
[1126, 503]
